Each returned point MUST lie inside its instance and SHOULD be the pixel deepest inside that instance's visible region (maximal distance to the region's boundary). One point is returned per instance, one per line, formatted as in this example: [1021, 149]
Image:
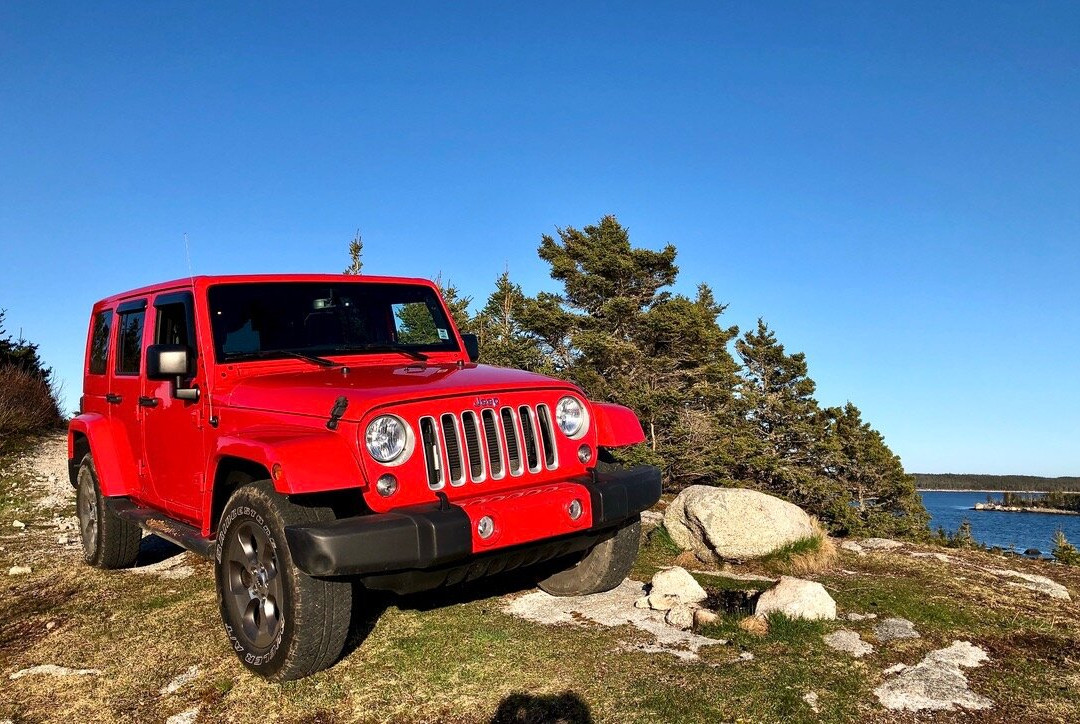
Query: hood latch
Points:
[340, 405]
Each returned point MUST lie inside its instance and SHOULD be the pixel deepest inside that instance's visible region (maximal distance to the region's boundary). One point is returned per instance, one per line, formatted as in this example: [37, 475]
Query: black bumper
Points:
[434, 537]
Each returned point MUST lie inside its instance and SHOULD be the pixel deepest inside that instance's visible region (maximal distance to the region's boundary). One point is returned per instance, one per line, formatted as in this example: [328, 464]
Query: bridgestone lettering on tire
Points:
[108, 540]
[601, 569]
[282, 623]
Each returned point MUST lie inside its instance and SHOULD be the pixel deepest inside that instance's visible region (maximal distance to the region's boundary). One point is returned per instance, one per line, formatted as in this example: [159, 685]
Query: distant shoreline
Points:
[982, 490]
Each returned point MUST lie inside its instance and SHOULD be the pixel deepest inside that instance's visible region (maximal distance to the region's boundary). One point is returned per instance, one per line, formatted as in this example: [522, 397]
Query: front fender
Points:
[616, 426]
[311, 460]
[109, 447]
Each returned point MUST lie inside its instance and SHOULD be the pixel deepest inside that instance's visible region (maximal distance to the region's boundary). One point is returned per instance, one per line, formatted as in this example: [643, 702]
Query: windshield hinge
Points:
[340, 405]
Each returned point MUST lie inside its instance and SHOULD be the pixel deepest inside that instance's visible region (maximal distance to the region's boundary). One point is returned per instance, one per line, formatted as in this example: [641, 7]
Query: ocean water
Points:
[1019, 530]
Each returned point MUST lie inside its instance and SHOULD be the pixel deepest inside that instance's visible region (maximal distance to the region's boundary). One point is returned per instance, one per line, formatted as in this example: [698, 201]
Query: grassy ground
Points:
[458, 657]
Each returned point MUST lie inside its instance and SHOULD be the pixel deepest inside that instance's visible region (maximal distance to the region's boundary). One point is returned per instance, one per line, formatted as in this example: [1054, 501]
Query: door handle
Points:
[148, 402]
[113, 399]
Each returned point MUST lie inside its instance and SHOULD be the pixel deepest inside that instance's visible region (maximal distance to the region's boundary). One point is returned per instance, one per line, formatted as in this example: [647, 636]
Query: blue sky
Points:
[894, 187]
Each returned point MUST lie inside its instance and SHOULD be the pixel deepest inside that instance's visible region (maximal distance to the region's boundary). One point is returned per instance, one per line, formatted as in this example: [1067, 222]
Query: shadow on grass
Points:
[524, 708]
[154, 550]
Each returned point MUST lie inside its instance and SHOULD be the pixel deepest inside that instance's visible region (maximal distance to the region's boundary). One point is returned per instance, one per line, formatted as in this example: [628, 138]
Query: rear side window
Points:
[129, 342]
[99, 341]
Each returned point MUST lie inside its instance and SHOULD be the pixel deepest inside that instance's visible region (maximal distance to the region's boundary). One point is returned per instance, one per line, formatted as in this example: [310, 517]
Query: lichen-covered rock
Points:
[881, 544]
[677, 582]
[892, 629]
[681, 616]
[733, 523]
[1032, 582]
[849, 642]
[935, 683]
[796, 598]
[704, 617]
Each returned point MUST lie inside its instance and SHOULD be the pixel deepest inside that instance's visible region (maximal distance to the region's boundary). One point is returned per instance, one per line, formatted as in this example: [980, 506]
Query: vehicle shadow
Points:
[524, 708]
[155, 550]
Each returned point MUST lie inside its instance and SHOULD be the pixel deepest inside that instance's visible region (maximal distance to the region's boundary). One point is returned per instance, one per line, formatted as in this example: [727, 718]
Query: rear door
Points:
[172, 429]
[125, 386]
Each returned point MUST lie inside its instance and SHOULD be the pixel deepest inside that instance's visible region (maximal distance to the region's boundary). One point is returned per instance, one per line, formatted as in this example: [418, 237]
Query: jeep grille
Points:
[472, 447]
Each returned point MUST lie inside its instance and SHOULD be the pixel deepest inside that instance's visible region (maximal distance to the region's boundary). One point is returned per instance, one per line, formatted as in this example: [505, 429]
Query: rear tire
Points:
[108, 540]
[601, 569]
[282, 623]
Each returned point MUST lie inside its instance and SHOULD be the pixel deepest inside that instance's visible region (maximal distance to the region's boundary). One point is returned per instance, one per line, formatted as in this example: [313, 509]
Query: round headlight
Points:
[387, 438]
[571, 418]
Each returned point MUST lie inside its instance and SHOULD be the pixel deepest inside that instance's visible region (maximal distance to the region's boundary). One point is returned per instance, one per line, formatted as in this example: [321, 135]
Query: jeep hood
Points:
[314, 391]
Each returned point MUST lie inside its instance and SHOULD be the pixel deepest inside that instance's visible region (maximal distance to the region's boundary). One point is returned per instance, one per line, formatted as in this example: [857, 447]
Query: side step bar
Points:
[182, 534]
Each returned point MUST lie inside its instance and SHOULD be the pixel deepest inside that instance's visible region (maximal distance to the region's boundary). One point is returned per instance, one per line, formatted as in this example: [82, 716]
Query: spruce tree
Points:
[504, 342]
[356, 255]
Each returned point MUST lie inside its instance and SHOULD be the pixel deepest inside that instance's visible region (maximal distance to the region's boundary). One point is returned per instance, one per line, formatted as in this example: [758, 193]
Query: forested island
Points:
[1020, 483]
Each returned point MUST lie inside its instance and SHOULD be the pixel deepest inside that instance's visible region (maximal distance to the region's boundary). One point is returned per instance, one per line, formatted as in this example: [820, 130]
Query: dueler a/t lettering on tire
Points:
[108, 541]
[282, 623]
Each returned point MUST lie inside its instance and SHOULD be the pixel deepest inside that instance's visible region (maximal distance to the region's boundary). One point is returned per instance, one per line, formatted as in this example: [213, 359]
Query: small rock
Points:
[681, 616]
[662, 601]
[642, 602]
[50, 625]
[704, 617]
[1033, 552]
[849, 642]
[651, 519]
[850, 545]
[63, 540]
[746, 656]
[20, 571]
[188, 716]
[675, 581]
[892, 629]
[796, 598]
[881, 544]
[811, 699]
[180, 681]
[860, 616]
[18, 524]
[53, 670]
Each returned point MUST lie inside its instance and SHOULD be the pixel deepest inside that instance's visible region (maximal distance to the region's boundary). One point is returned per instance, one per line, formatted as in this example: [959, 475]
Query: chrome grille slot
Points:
[471, 425]
[532, 444]
[547, 436]
[494, 449]
[513, 445]
[429, 438]
[454, 465]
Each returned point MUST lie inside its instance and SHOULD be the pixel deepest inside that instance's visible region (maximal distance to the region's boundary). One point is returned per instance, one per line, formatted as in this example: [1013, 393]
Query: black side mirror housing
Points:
[472, 346]
[172, 362]
[165, 361]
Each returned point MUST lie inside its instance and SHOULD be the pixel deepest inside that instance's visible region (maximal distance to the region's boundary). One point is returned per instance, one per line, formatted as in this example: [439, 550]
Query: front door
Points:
[172, 428]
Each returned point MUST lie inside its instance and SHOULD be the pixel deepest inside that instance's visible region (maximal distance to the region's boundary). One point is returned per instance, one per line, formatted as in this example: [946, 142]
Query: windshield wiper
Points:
[273, 353]
[378, 347]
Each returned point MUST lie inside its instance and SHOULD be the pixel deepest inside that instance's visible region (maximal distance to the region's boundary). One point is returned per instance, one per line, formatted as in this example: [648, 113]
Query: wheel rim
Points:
[88, 517]
[253, 584]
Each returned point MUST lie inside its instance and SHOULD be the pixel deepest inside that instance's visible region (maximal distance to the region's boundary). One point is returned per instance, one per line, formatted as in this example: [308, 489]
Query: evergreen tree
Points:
[503, 339]
[619, 334]
[883, 498]
[356, 254]
[1064, 551]
[457, 304]
[21, 353]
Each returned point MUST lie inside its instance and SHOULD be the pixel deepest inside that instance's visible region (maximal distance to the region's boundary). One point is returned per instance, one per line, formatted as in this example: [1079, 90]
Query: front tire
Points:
[108, 540]
[601, 569]
[282, 623]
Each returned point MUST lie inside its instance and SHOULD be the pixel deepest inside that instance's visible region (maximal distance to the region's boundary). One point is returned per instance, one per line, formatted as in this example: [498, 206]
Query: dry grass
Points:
[812, 555]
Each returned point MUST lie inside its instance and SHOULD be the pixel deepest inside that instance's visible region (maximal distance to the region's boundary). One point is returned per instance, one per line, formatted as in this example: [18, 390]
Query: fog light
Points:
[575, 509]
[386, 485]
[584, 453]
[485, 527]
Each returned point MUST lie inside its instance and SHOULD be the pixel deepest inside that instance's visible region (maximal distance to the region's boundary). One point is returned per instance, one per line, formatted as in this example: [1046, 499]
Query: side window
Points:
[173, 324]
[99, 341]
[129, 342]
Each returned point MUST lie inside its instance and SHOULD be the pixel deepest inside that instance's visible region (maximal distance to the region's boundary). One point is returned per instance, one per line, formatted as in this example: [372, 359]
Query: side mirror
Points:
[472, 346]
[164, 361]
[172, 361]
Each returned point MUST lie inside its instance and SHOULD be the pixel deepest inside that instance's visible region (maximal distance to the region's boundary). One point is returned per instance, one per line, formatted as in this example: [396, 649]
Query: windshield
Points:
[278, 319]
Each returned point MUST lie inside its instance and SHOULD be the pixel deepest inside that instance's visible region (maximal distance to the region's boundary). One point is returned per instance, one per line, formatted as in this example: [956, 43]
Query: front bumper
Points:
[439, 536]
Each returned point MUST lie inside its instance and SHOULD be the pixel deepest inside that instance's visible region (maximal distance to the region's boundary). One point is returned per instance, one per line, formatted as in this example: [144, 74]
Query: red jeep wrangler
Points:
[309, 431]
